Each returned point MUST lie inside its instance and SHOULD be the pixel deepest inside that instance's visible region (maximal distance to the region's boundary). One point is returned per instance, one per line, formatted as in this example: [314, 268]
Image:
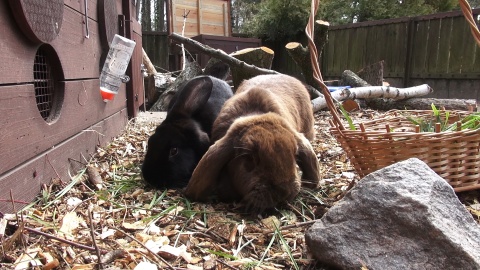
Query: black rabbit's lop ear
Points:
[193, 95]
[308, 163]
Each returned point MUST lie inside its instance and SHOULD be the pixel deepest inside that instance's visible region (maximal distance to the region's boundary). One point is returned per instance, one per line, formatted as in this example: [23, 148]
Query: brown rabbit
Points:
[261, 134]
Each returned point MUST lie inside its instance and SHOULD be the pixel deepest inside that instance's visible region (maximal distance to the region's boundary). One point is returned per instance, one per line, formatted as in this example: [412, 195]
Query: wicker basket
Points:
[454, 155]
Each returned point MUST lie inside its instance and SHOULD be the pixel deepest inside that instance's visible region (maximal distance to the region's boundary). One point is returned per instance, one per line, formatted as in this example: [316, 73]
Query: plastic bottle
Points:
[113, 71]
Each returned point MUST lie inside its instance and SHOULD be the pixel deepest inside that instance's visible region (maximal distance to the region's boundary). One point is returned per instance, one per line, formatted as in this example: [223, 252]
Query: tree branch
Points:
[233, 62]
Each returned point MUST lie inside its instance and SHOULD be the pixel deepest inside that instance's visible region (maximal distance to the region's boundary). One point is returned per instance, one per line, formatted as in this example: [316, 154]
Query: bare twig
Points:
[296, 225]
[14, 201]
[92, 233]
[295, 209]
[63, 240]
[58, 175]
[185, 15]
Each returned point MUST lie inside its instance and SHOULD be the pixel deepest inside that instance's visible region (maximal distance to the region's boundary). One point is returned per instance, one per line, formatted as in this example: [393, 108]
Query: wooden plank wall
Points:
[209, 17]
[133, 31]
[436, 49]
[32, 151]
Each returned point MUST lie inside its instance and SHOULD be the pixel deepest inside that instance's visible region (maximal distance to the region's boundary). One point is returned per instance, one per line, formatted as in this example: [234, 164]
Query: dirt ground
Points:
[119, 222]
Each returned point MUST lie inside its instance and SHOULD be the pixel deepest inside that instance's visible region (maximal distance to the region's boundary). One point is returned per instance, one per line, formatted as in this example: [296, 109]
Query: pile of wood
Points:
[366, 87]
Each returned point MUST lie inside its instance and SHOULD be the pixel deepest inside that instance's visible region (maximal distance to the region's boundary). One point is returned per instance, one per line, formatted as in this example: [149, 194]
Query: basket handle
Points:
[467, 13]
[317, 75]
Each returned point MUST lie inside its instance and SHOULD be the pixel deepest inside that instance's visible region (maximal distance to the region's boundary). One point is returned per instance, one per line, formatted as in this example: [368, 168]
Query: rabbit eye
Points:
[173, 151]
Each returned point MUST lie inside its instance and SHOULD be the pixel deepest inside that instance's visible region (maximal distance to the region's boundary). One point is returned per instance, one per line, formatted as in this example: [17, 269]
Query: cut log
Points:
[217, 68]
[350, 78]
[372, 74]
[192, 69]
[301, 56]
[320, 33]
[151, 93]
[373, 92]
[261, 57]
[423, 104]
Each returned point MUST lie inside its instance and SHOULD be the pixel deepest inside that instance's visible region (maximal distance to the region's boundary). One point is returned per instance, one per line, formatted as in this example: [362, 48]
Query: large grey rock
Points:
[404, 216]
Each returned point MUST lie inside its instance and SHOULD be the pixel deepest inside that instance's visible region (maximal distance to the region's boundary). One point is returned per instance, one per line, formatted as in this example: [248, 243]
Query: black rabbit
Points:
[184, 136]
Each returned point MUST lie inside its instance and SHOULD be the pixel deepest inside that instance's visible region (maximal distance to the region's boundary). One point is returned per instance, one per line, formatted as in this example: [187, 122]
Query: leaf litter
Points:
[107, 217]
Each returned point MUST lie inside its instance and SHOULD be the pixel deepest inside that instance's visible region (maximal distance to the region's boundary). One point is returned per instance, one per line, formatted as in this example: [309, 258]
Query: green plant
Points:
[471, 121]
[347, 116]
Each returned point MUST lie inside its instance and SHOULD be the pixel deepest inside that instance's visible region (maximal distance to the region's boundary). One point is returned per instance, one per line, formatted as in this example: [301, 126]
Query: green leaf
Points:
[349, 119]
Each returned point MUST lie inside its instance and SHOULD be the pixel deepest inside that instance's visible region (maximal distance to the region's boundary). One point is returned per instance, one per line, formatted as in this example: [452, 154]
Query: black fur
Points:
[183, 137]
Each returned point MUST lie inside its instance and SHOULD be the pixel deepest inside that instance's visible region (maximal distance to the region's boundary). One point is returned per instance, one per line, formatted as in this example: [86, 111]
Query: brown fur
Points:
[261, 135]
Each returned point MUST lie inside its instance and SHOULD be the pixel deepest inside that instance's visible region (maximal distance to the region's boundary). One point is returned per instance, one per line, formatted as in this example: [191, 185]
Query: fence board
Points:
[433, 48]
[156, 47]
[456, 39]
[359, 51]
[469, 47]
[419, 49]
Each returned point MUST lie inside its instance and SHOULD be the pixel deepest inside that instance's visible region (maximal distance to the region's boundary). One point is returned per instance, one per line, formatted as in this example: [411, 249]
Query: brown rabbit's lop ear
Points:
[308, 163]
[206, 174]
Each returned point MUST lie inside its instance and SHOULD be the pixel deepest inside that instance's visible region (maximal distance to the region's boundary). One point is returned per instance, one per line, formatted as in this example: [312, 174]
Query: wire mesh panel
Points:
[47, 96]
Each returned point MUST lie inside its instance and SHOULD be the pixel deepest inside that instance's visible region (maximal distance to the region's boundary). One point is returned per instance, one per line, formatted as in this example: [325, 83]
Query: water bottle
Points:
[113, 71]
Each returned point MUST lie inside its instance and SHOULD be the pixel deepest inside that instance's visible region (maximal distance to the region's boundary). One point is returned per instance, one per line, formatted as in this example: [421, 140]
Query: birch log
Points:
[373, 92]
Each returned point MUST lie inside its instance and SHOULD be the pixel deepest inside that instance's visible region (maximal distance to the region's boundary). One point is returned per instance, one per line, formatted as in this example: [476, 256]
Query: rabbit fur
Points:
[183, 137]
[261, 134]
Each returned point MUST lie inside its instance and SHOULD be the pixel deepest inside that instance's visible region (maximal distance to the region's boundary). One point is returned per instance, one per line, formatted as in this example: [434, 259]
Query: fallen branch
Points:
[233, 62]
[373, 92]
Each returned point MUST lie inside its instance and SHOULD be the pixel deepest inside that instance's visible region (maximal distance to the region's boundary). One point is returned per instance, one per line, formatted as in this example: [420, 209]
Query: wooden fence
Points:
[437, 49]
[156, 46]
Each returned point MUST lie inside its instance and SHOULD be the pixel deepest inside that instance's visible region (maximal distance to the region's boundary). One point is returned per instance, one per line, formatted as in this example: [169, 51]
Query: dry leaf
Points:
[70, 222]
[271, 222]
[90, 266]
[27, 259]
[50, 262]
[138, 225]
[146, 266]
[106, 232]
[3, 225]
[194, 267]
